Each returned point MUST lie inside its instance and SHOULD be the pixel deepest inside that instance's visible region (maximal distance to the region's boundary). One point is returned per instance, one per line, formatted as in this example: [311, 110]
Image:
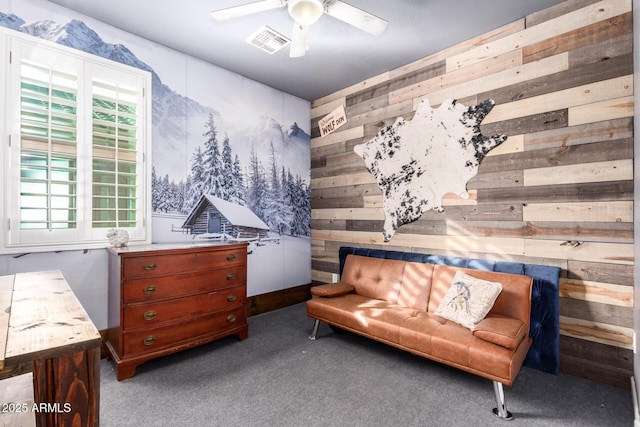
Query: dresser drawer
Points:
[154, 313]
[158, 265]
[169, 336]
[178, 285]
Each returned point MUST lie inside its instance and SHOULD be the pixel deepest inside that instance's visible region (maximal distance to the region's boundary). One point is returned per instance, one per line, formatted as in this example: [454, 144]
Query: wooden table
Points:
[49, 353]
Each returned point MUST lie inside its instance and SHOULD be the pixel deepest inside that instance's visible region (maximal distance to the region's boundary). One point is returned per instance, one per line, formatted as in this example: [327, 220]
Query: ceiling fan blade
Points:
[299, 44]
[356, 17]
[246, 9]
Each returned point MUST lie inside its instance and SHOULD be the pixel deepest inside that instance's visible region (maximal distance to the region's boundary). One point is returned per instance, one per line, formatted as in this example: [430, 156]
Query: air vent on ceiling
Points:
[268, 40]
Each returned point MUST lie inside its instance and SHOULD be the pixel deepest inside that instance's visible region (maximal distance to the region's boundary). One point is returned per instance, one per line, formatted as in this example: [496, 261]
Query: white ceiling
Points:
[339, 55]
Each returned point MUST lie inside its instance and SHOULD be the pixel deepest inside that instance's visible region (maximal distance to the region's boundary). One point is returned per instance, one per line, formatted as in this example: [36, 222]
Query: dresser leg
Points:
[67, 389]
[125, 370]
[244, 333]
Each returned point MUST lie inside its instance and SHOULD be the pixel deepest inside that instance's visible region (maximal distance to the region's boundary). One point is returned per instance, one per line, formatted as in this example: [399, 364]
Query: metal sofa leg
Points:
[501, 410]
[314, 334]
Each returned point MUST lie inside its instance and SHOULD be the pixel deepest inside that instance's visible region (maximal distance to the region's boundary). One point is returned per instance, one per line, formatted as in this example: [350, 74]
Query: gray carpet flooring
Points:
[277, 377]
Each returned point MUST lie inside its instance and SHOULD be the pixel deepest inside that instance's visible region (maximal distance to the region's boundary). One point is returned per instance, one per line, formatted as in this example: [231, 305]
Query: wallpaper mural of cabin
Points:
[216, 136]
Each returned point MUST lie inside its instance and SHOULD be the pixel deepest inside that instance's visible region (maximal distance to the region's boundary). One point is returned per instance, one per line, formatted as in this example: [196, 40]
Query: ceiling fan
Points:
[305, 13]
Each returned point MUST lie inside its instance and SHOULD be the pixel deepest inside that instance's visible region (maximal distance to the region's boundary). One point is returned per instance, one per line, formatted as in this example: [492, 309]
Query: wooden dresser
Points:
[167, 298]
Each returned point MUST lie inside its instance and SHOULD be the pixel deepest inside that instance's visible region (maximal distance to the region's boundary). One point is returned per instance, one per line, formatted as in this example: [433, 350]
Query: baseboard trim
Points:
[264, 303]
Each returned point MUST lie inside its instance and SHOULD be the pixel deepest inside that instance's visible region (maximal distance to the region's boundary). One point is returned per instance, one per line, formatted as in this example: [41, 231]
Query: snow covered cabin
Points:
[219, 218]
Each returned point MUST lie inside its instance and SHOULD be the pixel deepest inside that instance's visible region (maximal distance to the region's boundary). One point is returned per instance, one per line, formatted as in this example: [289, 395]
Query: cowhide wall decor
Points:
[416, 162]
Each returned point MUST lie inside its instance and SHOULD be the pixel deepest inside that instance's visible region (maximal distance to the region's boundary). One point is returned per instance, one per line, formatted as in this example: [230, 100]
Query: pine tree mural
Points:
[155, 195]
[256, 185]
[198, 177]
[212, 163]
[238, 192]
[226, 186]
[276, 212]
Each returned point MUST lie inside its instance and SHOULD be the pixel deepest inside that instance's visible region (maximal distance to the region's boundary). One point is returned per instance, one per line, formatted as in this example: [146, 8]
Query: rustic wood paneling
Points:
[596, 191]
[583, 36]
[575, 76]
[605, 171]
[528, 124]
[552, 230]
[604, 355]
[426, 73]
[557, 10]
[619, 149]
[597, 361]
[602, 110]
[487, 67]
[620, 274]
[604, 293]
[582, 134]
[573, 97]
[544, 67]
[579, 18]
[603, 333]
[597, 312]
[558, 192]
[608, 212]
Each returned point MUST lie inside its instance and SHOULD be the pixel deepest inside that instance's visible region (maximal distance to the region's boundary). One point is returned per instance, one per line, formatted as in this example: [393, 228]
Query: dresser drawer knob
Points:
[149, 340]
[231, 297]
[231, 318]
[149, 289]
[149, 315]
[231, 257]
[231, 276]
[150, 266]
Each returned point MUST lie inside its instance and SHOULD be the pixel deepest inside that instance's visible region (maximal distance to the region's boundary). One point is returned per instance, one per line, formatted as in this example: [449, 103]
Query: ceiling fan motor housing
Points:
[305, 12]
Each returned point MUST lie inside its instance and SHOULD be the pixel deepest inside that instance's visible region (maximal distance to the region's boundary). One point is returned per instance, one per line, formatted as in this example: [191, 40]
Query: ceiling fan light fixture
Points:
[305, 12]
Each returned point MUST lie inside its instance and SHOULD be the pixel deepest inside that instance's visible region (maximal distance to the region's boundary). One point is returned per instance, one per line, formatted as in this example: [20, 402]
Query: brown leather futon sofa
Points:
[395, 302]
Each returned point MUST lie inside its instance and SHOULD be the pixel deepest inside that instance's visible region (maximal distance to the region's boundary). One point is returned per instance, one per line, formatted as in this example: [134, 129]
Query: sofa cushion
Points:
[503, 331]
[332, 289]
[374, 278]
[371, 317]
[407, 284]
[468, 300]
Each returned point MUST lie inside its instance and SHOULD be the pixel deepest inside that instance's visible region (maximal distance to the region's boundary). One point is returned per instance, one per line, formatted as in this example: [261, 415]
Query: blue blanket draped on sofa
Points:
[544, 353]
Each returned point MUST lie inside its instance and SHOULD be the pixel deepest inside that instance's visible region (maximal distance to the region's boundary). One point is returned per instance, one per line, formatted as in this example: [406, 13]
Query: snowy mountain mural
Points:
[169, 109]
[250, 150]
[214, 133]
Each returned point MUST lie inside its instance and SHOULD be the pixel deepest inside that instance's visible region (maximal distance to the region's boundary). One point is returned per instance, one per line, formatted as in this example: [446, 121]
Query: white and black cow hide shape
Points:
[416, 162]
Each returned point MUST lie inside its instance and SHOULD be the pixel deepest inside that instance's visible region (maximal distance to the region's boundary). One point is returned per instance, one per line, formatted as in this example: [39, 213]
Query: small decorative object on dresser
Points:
[167, 298]
[118, 237]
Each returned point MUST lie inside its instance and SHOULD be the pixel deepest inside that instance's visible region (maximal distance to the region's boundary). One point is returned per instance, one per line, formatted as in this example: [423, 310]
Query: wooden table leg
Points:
[67, 389]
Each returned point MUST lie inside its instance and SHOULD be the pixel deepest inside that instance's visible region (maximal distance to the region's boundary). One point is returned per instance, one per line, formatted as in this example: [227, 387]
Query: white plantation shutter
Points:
[78, 136]
[44, 206]
[115, 152]
[48, 141]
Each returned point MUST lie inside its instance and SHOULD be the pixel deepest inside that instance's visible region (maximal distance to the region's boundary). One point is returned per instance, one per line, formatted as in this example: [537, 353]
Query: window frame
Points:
[15, 47]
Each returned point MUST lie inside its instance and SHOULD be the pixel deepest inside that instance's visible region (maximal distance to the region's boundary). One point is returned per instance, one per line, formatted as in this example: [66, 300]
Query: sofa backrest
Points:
[398, 282]
[513, 301]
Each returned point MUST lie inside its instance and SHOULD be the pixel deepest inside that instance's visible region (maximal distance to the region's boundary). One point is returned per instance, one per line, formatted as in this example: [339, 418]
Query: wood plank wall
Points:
[562, 82]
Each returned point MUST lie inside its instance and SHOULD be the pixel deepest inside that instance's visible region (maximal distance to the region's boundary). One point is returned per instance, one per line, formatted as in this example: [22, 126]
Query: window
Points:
[75, 162]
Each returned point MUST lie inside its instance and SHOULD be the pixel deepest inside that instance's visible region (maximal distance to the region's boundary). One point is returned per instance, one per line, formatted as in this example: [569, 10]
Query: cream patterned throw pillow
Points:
[468, 300]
